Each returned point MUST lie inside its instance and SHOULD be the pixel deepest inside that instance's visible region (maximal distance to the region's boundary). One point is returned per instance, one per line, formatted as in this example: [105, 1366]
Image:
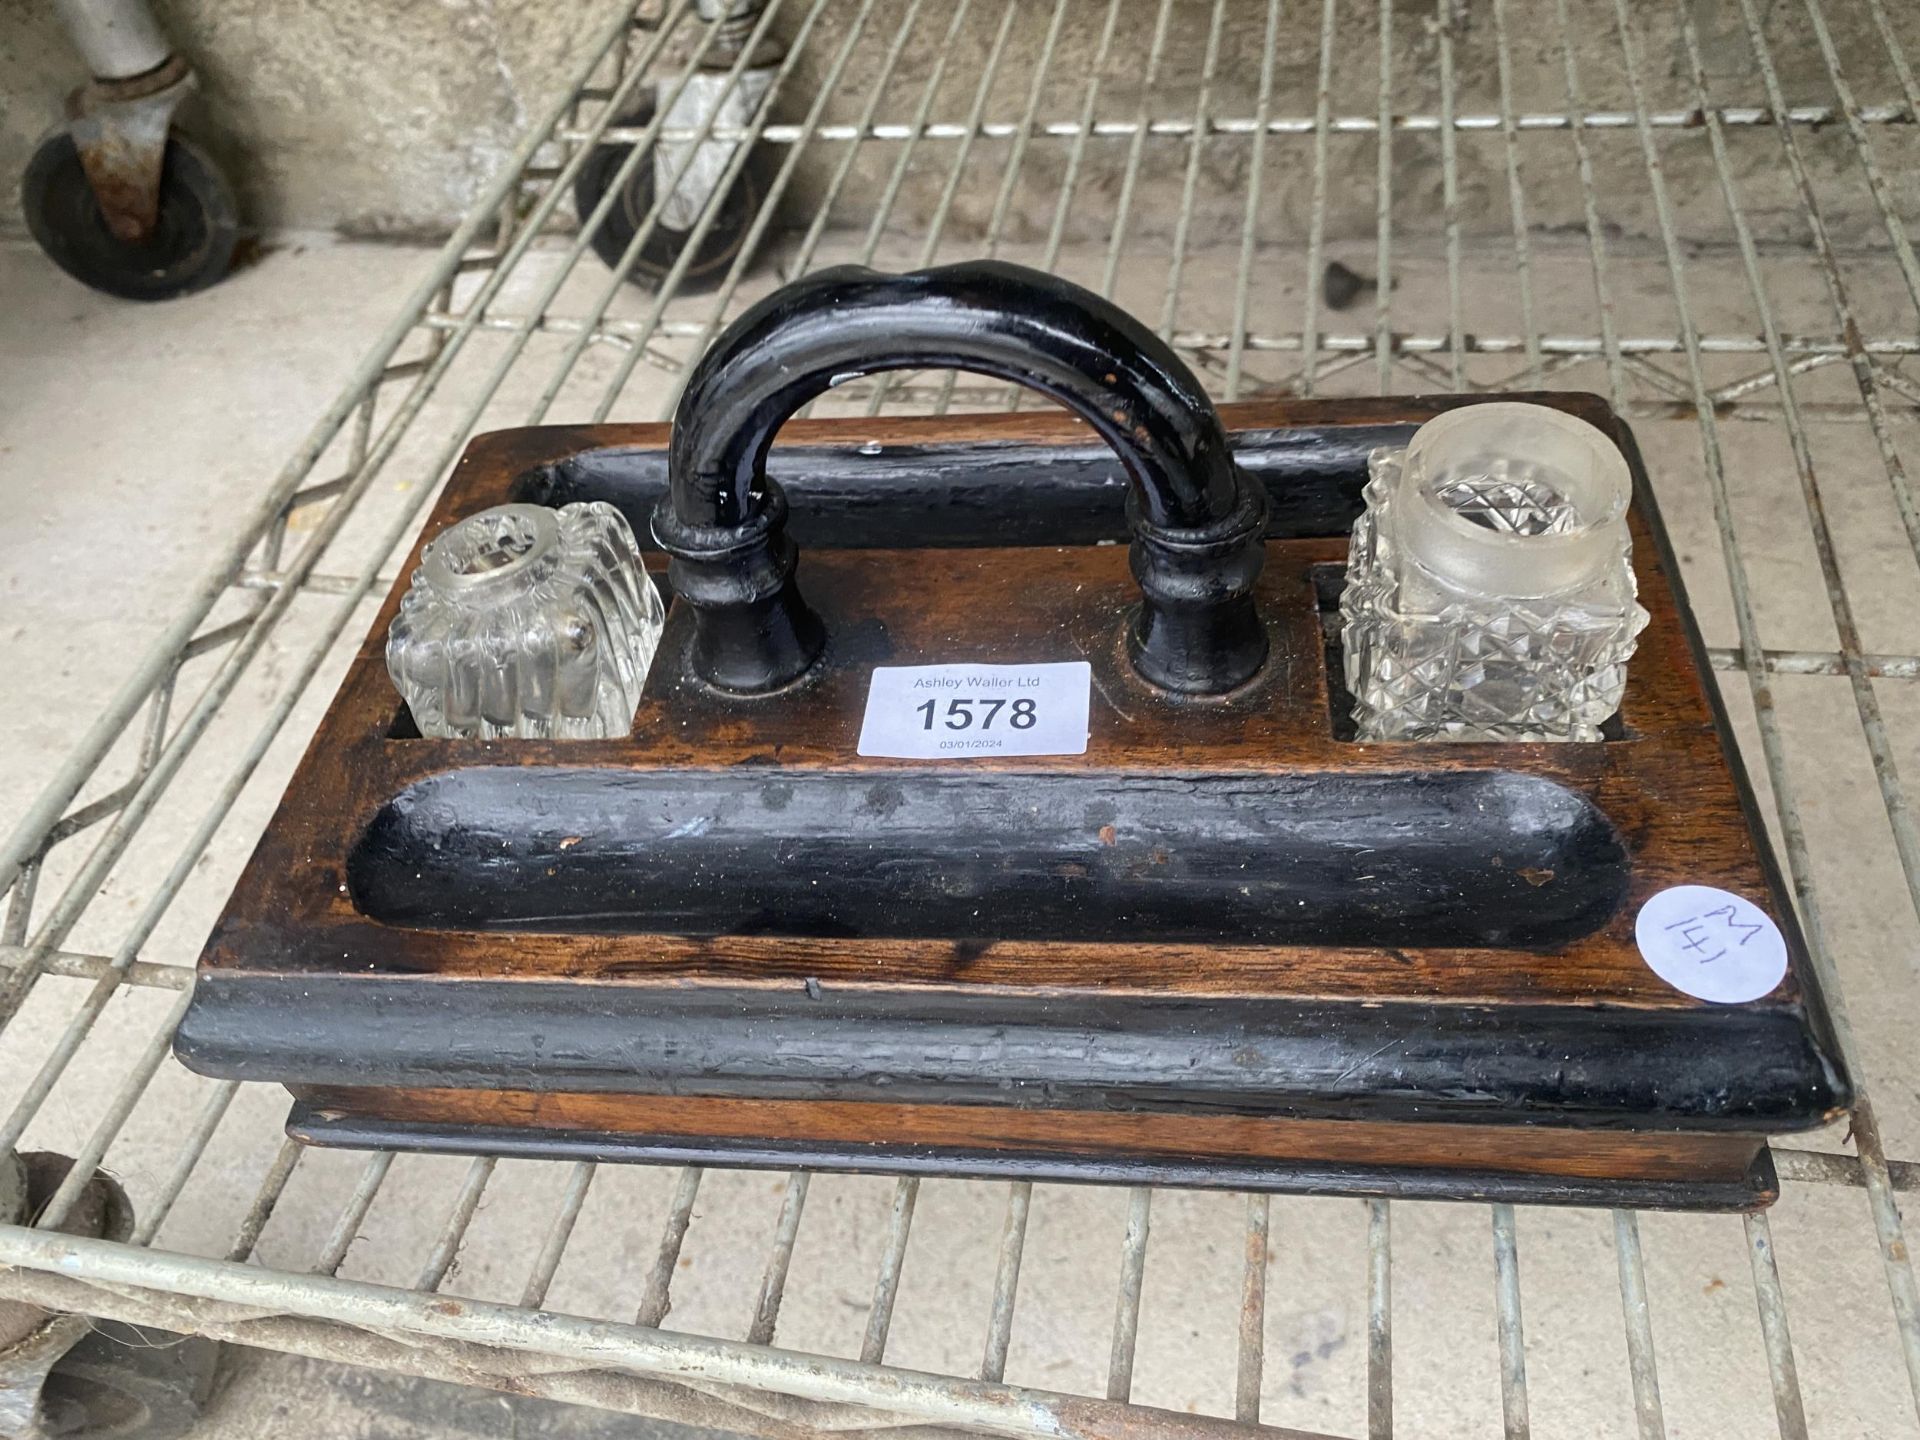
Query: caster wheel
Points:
[718, 249]
[128, 1382]
[192, 242]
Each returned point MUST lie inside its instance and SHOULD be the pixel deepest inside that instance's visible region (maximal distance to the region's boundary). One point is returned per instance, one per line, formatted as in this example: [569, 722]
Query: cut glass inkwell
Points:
[527, 622]
[1490, 591]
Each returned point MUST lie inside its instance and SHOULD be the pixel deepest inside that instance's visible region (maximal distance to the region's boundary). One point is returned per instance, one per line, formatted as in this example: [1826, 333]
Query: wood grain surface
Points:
[417, 865]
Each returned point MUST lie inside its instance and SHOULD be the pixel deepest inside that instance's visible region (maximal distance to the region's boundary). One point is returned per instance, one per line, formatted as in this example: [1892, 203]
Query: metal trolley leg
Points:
[117, 198]
[63, 1374]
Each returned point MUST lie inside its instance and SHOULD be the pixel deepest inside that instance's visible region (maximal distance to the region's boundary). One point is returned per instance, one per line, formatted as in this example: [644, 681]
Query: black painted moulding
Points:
[1311, 859]
[943, 495]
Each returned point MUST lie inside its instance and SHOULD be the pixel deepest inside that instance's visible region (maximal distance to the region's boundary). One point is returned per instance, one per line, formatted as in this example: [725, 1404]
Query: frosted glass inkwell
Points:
[1490, 591]
[529, 622]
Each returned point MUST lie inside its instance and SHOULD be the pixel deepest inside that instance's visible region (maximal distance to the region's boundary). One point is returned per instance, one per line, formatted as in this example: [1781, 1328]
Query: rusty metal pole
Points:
[120, 118]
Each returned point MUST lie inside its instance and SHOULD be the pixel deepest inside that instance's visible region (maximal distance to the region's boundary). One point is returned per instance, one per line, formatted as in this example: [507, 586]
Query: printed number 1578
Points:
[963, 714]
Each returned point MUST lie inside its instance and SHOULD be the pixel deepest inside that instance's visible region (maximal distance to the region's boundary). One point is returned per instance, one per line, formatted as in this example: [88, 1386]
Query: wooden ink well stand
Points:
[1227, 946]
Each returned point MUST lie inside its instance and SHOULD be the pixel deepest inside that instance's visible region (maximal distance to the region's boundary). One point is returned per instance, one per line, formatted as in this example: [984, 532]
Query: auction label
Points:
[1711, 944]
[962, 712]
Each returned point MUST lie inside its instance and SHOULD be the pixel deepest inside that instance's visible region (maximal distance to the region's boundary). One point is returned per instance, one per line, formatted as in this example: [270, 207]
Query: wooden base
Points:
[1543, 1165]
[1226, 946]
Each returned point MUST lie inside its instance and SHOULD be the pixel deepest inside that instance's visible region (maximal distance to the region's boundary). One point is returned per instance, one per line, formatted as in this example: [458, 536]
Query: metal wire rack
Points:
[1703, 211]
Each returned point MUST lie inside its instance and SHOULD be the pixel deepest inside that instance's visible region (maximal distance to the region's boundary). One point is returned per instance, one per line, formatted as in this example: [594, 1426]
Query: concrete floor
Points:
[130, 437]
[377, 119]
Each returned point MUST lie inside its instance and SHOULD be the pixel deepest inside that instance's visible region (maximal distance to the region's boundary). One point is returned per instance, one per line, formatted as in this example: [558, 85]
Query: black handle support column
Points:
[1197, 521]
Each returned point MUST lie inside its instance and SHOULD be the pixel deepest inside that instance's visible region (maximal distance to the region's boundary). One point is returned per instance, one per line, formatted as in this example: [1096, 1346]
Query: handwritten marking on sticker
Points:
[966, 712]
[1711, 944]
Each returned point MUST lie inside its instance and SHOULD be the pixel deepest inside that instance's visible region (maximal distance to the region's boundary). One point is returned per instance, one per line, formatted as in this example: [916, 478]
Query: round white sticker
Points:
[1711, 944]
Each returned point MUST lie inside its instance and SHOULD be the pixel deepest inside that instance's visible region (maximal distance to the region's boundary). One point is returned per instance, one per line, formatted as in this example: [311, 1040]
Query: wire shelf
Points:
[1703, 212]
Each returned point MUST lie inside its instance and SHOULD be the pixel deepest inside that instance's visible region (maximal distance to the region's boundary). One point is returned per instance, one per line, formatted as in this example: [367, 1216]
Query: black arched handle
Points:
[1196, 521]
[984, 316]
